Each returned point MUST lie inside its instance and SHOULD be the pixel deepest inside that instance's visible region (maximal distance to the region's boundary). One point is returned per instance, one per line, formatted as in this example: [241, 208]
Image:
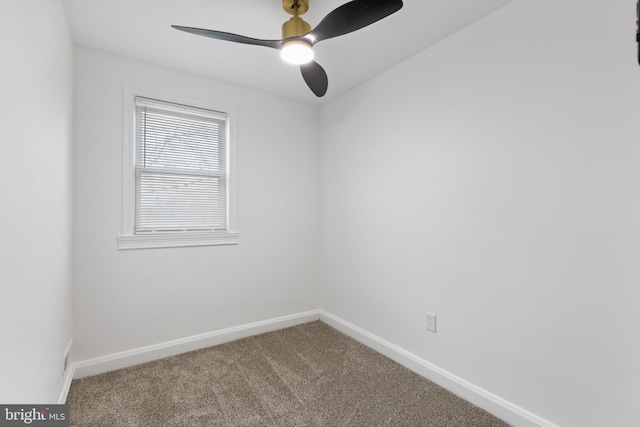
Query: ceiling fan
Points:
[298, 38]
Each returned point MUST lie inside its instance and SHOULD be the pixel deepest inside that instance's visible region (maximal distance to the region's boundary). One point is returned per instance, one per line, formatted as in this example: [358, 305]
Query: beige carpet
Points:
[307, 375]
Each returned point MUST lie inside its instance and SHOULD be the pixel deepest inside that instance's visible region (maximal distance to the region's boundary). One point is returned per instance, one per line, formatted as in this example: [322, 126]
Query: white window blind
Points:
[181, 177]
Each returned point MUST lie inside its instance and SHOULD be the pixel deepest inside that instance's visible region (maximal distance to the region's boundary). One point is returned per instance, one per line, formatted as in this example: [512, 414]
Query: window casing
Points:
[177, 180]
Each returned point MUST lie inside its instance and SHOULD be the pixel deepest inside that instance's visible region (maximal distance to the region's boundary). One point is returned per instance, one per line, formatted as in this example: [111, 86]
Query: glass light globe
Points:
[296, 52]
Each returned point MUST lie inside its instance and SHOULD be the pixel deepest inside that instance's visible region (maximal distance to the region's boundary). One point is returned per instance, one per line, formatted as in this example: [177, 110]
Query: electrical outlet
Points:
[431, 322]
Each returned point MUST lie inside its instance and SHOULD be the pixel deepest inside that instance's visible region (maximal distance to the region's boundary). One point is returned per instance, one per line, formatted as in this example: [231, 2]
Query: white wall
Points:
[35, 171]
[129, 299]
[493, 180]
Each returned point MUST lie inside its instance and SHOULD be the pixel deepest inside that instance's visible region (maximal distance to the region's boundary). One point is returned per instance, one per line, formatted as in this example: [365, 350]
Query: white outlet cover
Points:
[431, 322]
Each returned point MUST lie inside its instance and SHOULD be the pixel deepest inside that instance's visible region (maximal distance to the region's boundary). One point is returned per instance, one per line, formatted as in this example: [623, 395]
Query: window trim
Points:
[127, 238]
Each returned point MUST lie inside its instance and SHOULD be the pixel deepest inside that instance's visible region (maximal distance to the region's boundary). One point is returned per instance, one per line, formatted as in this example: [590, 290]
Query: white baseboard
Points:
[480, 397]
[136, 356]
[68, 378]
[68, 374]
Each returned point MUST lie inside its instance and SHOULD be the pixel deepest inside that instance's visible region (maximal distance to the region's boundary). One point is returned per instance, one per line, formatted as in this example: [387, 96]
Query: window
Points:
[176, 181]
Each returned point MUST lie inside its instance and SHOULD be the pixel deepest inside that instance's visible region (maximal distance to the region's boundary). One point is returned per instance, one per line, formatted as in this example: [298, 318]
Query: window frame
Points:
[167, 239]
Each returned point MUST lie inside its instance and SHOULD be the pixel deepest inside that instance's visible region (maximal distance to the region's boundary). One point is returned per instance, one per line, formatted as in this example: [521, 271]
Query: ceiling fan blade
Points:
[316, 77]
[351, 17]
[230, 37]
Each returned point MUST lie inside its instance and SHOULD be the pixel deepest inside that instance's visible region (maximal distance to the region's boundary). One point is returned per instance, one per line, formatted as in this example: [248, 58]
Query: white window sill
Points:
[176, 240]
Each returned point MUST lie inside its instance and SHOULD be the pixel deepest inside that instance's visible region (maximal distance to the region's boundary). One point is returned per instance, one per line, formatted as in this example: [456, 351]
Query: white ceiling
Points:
[141, 29]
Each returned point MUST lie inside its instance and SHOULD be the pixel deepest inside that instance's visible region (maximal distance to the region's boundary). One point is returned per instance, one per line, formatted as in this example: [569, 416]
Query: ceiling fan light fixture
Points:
[298, 38]
[296, 52]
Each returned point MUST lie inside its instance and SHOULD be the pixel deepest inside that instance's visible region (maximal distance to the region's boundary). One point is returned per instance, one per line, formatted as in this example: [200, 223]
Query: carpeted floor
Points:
[307, 375]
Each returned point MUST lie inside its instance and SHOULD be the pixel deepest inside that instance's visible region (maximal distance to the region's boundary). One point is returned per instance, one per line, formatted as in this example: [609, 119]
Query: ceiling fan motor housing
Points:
[295, 27]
